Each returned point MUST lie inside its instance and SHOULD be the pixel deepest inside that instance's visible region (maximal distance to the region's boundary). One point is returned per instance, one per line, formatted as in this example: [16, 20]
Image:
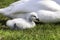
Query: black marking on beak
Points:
[37, 19]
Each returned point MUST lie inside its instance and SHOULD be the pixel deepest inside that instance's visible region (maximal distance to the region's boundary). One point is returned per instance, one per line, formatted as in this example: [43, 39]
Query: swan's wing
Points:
[48, 16]
[22, 0]
[19, 15]
[30, 6]
[19, 2]
[50, 5]
[58, 1]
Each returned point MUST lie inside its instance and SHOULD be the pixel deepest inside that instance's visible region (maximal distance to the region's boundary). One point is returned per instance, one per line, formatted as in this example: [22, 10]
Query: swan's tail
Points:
[4, 11]
[1, 11]
[10, 24]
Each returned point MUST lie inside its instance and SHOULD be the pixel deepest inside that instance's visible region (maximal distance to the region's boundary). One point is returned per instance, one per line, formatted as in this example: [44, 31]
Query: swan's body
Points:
[48, 16]
[29, 6]
[58, 1]
[20, 23]
[23, 8]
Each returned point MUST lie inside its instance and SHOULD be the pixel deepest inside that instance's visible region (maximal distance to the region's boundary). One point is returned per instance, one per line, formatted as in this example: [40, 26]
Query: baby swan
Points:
[20, 23]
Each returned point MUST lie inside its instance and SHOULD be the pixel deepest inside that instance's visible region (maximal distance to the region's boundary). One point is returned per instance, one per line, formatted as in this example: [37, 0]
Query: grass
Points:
[40, 32]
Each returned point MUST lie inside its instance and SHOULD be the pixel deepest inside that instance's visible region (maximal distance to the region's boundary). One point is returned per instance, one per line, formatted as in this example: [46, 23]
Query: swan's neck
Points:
[31, 21]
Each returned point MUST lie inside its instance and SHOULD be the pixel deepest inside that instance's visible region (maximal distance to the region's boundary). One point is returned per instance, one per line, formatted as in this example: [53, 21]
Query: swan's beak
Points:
[37, 20]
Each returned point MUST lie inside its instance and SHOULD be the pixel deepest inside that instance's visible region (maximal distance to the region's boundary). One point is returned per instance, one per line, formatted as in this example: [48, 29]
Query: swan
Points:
[27, 6]
[20, 23]
[46, 16]
[58, 1]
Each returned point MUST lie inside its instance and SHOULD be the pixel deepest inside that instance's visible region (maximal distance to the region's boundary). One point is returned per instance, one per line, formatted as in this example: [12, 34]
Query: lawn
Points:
[40, 32]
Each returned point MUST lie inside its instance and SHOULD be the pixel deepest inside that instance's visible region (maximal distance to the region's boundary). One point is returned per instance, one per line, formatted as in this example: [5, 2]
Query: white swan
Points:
[46, 16]
[20, 23]
[29, 6]
[58, 1]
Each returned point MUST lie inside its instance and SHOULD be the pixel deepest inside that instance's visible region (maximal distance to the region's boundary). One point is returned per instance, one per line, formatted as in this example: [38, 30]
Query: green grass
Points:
[40, 32]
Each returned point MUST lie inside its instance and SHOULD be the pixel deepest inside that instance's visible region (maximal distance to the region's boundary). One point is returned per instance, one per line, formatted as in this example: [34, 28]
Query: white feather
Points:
[27, 6]
[46, 16]
[23, 23]
[57, 1]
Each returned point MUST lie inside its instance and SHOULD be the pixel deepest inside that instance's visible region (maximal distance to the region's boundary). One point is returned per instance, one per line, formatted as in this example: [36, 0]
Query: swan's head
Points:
[34, 17]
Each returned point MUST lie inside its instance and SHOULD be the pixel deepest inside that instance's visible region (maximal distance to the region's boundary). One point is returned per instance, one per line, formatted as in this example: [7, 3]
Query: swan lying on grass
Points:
[20, 23]
[27, 6]
[46, 16]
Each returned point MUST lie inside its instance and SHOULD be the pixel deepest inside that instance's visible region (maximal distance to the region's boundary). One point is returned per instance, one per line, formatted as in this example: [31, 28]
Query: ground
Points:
[40, 32]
